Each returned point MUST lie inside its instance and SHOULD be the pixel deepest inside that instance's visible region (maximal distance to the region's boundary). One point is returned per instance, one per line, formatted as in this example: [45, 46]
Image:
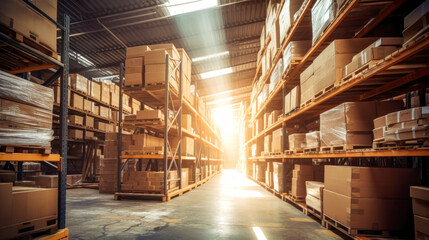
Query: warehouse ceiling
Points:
[102, 29]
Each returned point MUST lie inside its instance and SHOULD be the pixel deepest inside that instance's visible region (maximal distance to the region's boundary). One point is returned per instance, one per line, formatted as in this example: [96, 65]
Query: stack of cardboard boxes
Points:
[300, 175]
[415, 23]
[314, 197]
[297, 142]
[420, 196]
[403, 125]
[312, 140]
[369, 198]
[280, 182]
[292, 99]
[148, 181]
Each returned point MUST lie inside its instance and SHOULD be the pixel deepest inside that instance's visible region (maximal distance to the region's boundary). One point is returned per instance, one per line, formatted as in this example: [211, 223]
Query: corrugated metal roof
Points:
[235, 27]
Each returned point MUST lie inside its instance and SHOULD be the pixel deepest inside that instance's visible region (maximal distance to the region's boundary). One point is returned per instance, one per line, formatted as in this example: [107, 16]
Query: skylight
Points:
[210, 56]
[216, 73]
[176, 7]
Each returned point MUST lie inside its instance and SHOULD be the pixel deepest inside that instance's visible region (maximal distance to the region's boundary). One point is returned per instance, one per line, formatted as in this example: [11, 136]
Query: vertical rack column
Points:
[62, 175]
[119, 166]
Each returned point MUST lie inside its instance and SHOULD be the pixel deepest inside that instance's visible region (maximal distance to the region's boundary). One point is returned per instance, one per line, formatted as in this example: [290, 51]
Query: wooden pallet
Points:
[295, 151]
[318, 95]
[142, 152]
[311, 211]
[30, 229]
[358, 71]
[311, 150]
[296, 198]
[343, 148]
[291, 66]
[423, 29]
[25, 149]
[329, 223]
[404, 144]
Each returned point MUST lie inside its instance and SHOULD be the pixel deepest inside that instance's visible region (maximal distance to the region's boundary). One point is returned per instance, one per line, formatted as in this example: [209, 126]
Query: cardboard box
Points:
[410, 133]
[349, 123]
[88, 105]
[150, 114]
[75, 134]
[75, 119]
[139, 51]
[187, 121]
[371, 182]
[312, 139]
[79, 83]
[89, 121]
[279, 177]
[323, 13]
[96, 109]
[366, 213]
[379, 132]
[47, 181]
[407, 115]
[298, 186]
[286, 17]
[277, 140]
[105, 93]
[297, 141]
[168, 47]
[315, 189]
[420, 227]
[295, 96]
[23, 19]
[267, 143]
[95, 90]
[416, 14]
[76, 101]
[410, 124]
[104, 112]
[314, 202]
[185, 177]
[188, 146]
[294, 50]
[420, 196]
[367, 55]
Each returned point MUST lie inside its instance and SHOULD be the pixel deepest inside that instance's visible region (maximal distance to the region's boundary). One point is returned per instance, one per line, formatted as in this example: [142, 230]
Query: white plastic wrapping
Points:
[276, 76]
[322, 14]
[312, 139]
[333, 127]
[293, 50]
[314, 188]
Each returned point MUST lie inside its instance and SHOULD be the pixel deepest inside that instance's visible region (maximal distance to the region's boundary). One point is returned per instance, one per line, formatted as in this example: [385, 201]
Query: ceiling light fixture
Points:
[176, 7]
[216, 73]
[210, 56]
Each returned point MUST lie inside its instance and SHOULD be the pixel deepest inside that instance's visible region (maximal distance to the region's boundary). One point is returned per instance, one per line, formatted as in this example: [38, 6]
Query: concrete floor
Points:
[227, 207]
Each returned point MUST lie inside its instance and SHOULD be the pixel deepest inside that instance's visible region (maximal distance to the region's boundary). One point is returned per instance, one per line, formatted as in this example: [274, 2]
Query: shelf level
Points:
[29, 157]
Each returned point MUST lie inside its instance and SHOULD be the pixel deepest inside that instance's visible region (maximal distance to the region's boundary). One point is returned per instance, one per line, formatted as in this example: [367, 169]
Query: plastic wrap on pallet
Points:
[79, 82]
[276, 76]
[410, 133]
[313, 202]
[21, 90]
[322, 14]
[333, 127]
[287, 16]
[312, 139]
[294, 49]
[314, 188]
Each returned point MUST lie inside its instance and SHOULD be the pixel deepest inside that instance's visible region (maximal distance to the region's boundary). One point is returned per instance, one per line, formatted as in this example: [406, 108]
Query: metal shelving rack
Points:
[351, 90]
[170, 102]
[62, 73]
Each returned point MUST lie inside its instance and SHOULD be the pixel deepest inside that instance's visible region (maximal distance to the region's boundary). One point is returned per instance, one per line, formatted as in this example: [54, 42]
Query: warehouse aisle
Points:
[227, 207]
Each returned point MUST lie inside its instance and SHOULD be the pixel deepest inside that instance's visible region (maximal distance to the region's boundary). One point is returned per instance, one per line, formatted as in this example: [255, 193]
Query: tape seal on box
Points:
[412, 113]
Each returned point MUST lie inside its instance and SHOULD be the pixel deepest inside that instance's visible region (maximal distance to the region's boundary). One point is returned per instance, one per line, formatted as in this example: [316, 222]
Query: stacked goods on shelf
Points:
[312, 140]
[348, 126]
[293, 53]
[287, 16]
[20, 209]
[114, 95]
[273, 117]
[277, 141]
[134, 66]
[420, 196]
[314, 197]
[374, 52]
[262, 97]
[46, 181]
[26, 117]
[23, 19]
[323, 14]
[352, 199]
[148, 182]
[415, 23]
[276, 76]
[260, 172]
[79, 83]
[280, 182]
[297, 142]
[109, 163]
[269, 181]
[268, 141]
[405, 125]
[292, 100]
[300, 175]
[326, 71]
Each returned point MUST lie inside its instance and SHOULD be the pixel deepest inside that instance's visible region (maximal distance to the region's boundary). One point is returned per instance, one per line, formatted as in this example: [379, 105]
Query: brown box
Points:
[312, 139]
[421, 227]
[88, 105]
[96, 109]
[420, 197]
[349, 123]
[286, 17]
[407, 115]
[188, 146]
[75, 119]
[268, 143]
[89, 121]
[295, 96]
[410, 124]
[47, 181]
[104, 112]
[155, 57]
[297, 141]
[168, 47]
[150, 114]
[105, 93]
[408, 133]
[371, 182]
[277, 140]
[185, 177]
[75, 134]
[187, 121]
[95, 90]
[25, 20]
[79, 83]
[139, 51]
[366, 213]
[76, 101]
[299, 186]
[379, 132]
[367, 55]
